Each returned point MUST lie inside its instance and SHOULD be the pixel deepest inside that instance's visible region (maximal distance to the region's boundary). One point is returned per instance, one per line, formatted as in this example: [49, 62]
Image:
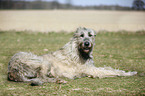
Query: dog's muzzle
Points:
[86, 46]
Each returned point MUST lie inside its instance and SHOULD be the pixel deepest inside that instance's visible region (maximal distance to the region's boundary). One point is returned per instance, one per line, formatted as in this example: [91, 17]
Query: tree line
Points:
[39, 4]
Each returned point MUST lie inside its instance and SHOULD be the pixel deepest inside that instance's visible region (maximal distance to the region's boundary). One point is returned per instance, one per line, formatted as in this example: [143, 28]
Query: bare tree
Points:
[68, 3]
[1, 4]
[138, 5]
[39, 4]
[55, 4]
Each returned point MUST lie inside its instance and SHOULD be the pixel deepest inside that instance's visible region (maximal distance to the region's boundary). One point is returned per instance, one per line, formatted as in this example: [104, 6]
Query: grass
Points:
[122, 50]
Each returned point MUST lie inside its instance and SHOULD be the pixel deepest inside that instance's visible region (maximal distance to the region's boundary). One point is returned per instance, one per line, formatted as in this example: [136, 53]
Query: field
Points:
[121, 50]
[69, 20]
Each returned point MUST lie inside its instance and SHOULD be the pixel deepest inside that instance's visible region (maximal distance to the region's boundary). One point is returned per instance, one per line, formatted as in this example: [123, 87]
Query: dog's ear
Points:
[84, 28]
[95, 32]
[76, 34]
[79, 28]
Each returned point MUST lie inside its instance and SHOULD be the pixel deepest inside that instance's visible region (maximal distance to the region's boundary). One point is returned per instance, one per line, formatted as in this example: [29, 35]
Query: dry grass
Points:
[69, 20]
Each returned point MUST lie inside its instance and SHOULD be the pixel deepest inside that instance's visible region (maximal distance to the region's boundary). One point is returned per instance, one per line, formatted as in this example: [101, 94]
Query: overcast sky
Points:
[99, 2]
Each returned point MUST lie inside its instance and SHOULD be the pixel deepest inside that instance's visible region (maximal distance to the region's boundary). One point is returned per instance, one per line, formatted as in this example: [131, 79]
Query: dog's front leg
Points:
[102, 72]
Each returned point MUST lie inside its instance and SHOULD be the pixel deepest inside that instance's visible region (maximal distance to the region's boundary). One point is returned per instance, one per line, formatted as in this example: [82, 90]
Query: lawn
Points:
[120, 50]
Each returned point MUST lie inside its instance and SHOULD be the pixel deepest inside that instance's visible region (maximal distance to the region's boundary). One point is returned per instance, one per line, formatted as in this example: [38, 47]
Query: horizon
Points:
[123, 3]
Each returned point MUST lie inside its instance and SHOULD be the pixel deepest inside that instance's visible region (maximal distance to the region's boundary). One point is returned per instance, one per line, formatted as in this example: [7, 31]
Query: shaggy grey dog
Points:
[74, 60]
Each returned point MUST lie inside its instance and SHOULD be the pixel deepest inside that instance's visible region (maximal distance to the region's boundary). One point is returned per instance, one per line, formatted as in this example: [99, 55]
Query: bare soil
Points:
[69, 20]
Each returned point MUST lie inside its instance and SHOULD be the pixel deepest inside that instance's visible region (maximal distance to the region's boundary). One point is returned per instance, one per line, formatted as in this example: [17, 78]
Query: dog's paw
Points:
[60, 81]
[142, 74]
[90, 76]
[36, 83]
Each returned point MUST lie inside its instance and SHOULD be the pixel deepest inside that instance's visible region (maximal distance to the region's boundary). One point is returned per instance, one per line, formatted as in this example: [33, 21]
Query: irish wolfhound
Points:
[74, 60]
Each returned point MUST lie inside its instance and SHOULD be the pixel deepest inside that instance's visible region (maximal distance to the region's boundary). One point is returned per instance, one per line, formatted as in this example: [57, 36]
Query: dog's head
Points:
[86, 39]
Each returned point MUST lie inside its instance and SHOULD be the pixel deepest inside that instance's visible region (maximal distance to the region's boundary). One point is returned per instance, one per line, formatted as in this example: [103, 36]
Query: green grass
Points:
[121, 50]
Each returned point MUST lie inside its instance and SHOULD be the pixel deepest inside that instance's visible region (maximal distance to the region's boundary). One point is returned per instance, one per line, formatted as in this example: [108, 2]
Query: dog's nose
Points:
[87, 43]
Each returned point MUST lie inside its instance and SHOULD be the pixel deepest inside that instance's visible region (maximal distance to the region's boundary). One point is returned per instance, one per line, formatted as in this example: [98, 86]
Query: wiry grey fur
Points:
[74, 60]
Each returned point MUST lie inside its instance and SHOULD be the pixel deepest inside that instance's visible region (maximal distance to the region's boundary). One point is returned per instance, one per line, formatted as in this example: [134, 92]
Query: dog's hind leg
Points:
[40, 81]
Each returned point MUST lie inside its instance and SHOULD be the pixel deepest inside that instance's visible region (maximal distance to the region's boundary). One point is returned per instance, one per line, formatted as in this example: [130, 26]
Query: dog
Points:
[73, 60]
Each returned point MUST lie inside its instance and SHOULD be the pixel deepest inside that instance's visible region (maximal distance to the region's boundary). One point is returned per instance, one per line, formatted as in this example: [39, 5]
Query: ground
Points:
[121, 50]
[69, 20]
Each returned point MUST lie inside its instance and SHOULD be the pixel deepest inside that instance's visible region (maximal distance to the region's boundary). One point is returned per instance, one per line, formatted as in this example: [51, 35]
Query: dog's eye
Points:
[90, 35]
[82, 35]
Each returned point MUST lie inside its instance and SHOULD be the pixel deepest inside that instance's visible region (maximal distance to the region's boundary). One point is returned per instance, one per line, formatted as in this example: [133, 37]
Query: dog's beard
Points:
[85, 51]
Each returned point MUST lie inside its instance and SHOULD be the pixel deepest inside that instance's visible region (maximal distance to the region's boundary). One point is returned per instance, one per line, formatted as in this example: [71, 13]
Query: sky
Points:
[99, 2]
